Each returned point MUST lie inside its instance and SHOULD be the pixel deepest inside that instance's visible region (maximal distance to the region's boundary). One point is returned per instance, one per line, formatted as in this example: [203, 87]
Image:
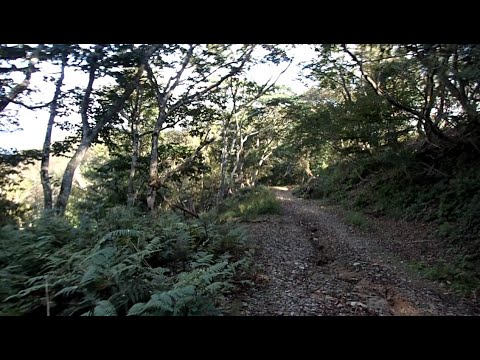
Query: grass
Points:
[356, 218]
[249, 203]
[459, 275]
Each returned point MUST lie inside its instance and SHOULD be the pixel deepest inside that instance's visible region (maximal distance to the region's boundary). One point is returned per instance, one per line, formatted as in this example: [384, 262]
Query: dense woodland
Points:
[141, 210]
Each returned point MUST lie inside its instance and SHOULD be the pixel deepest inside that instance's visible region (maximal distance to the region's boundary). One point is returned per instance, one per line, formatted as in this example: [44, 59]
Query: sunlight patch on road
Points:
[283, 198]
[281, 188]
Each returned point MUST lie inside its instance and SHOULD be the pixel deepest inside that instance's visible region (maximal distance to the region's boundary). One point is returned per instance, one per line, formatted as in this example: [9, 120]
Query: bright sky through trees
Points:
[33, 123]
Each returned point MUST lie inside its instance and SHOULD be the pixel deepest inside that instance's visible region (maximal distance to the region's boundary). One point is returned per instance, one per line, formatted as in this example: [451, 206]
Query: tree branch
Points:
[183, 166]
[235, 70]
[19, 88]
[30, 107]
[378, 90]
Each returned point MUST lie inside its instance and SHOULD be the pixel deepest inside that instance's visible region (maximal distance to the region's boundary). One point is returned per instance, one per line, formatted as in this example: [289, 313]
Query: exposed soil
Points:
[311, 262]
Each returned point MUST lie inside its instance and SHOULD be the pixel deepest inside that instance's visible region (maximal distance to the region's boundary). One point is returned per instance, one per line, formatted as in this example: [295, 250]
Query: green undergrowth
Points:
[248, 204]
[127, 263]
[357, 218]
[460, 274]
[442, 189]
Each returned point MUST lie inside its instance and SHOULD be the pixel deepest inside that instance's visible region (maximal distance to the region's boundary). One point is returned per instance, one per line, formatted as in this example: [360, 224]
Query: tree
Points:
[45, 162]
[438, 79]
[89, 132]
[202, 63]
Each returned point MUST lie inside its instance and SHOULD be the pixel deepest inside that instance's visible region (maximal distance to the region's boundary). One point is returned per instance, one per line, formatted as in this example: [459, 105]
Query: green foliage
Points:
[125, 263]
[413, 185]
[358, 219]
[12, 166]
[461, 274]
[250, 203]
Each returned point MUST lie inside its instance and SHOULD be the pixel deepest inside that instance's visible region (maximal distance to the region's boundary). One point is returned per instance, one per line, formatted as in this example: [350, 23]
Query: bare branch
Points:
[30, 107]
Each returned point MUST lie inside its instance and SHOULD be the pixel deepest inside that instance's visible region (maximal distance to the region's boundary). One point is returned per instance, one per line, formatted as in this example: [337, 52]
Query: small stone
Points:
[356, 264]
[358, 303]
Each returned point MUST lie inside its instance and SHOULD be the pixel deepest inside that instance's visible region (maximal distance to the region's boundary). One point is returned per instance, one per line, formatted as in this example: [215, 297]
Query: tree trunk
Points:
[223, 164]
[264, 157]
[45, 164]
[66, 188]
[133, 167]
[153, 171]
[135, 150]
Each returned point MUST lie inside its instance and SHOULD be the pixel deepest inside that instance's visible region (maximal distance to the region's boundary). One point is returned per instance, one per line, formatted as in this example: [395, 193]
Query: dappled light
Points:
[244, 179]
[281, 188]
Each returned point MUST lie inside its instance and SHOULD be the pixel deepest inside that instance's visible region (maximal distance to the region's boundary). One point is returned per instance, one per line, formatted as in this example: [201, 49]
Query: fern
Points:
[136, 309]
[121, 265]
[203, 259]
[218, 287]
[104, 308]
[125, 233]
[67, 291]
[89, 276]
[214, 271]
[101, 257]
[162, 302]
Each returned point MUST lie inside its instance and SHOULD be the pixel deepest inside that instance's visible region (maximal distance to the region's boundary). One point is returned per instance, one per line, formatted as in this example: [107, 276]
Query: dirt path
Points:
[311, 263]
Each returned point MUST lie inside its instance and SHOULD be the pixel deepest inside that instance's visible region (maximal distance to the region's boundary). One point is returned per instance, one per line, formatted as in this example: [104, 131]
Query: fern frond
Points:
[69, 290]
[162, 301]
[203, 259]
[137, 309]
[218, 287]
[104, 308]
[120, 233]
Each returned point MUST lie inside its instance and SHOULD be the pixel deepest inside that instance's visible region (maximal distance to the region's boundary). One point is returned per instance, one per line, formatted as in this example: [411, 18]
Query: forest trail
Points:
[309, 262]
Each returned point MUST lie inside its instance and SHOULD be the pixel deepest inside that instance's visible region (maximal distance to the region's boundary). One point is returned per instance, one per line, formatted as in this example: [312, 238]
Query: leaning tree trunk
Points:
[45, 164]
[264, 157]
[67, 179]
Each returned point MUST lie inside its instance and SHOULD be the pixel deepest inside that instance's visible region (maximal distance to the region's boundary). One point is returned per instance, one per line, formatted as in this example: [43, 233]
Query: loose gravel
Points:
[310, 262]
